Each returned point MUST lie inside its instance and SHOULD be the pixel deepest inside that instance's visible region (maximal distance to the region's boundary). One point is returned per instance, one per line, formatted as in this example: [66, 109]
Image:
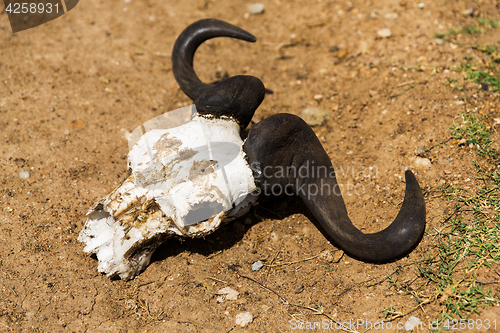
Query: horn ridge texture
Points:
[186, 45]
[286, 157]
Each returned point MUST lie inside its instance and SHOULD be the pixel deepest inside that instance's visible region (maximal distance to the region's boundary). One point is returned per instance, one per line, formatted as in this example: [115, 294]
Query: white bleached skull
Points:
[185, 181]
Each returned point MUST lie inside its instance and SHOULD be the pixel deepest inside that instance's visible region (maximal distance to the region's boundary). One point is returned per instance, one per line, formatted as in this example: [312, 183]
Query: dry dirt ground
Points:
[71, 89]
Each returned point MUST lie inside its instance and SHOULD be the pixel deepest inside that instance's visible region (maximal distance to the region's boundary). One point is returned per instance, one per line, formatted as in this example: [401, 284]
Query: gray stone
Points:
[257, 265]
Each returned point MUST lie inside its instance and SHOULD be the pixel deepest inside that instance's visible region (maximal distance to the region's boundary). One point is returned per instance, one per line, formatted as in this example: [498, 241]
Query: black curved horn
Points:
[237, 97]
[287, 158]
[186, 44]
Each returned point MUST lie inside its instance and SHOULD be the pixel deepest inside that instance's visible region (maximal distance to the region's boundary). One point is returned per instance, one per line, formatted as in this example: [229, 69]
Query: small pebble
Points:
[315, 116]
[421, 5]
[334, 48]
[468, 12]
[255, 8]
[384, 33]
[412, 323]
[230, 293]
[24, 174]
[77, 123]
[257, 265]
[130, 304]
[391, 16]
[421, 59]
[331, 257]
[439, 41]
[103, 80]
[422, 163]
[420, 151]
[363, 46]
[243, 319]
[342, 54]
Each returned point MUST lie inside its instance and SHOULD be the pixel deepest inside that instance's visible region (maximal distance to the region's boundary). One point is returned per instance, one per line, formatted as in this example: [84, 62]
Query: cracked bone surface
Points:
[185, 181]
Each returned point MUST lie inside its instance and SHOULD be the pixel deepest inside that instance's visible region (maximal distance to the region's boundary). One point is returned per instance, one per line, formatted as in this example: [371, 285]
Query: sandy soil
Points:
[71, 89]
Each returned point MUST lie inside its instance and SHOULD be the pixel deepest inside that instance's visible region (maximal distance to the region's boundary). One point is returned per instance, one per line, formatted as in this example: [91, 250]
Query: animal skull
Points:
[189, 178]
[185, 181]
